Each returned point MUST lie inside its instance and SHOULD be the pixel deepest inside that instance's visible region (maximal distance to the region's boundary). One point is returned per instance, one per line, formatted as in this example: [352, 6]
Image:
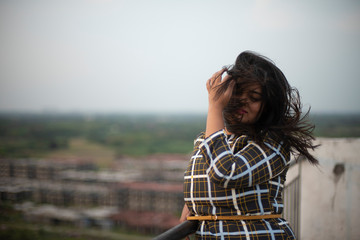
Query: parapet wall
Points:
[330, 193]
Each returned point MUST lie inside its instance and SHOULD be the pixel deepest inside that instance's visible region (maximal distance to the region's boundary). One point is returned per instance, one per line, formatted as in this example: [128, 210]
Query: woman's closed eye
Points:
[255, 98]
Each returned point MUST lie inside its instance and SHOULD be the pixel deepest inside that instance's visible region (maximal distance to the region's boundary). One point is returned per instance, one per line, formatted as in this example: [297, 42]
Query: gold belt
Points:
[235, 217]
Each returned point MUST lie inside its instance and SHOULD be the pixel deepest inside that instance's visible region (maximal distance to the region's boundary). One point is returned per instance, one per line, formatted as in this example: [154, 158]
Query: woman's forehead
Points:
[251, 88]
[254, 88]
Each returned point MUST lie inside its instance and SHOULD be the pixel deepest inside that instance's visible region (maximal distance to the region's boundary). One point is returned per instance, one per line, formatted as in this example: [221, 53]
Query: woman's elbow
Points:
[227, 180]
[216, 177]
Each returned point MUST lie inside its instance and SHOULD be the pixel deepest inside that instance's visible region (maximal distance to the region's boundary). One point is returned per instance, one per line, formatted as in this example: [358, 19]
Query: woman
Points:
[234, 181]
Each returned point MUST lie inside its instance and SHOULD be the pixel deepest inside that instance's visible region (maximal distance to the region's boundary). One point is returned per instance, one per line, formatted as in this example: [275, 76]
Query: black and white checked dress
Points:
[232, 175]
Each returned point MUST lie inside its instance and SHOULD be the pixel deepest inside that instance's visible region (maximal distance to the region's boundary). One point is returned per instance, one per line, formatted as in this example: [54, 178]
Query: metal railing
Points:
[179, 231]
[292, 196]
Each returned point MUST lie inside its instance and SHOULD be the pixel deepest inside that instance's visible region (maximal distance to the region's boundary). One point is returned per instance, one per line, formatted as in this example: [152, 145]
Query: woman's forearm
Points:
[215, 121]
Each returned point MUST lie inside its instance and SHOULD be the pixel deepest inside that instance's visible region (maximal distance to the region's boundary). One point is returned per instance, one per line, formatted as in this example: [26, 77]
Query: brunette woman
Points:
[234, 181]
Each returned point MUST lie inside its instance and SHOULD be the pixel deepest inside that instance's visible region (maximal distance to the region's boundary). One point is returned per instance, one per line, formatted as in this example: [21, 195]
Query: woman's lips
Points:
[242, 111]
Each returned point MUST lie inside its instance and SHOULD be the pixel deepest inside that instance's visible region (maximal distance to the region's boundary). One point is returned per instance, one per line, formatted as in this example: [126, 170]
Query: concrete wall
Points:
[330, 196]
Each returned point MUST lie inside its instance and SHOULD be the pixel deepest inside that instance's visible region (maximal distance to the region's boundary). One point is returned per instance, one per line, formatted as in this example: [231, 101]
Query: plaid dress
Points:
[232, 175]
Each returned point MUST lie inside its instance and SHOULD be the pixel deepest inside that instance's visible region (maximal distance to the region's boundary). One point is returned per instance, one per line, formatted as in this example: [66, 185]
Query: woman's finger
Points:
[215, 79]
[218, 75]
[208, 84]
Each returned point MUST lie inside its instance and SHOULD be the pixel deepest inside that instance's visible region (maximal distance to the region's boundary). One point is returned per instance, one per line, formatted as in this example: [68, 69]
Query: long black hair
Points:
[281, 114]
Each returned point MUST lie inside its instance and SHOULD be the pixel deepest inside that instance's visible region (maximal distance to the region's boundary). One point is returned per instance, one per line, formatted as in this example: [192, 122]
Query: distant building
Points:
[151, 196]
[58, 187]
[145, 222]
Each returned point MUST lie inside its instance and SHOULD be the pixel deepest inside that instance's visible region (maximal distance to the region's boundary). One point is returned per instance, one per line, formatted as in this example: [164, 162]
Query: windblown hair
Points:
[281, 114]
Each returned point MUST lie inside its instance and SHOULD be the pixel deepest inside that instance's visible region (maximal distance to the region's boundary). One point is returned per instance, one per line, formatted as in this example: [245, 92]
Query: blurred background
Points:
[100, 101]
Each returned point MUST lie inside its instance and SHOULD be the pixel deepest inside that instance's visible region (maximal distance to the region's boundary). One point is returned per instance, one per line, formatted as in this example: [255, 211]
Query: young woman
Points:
[234, 181]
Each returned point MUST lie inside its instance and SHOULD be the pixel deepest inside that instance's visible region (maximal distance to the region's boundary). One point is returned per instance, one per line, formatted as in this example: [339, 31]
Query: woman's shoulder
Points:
[277, 145]
[238, 142]
[274, 140]
[268, 140]
[199, 139]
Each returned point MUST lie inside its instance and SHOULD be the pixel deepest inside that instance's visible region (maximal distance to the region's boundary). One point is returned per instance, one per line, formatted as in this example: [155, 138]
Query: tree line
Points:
[30, 135]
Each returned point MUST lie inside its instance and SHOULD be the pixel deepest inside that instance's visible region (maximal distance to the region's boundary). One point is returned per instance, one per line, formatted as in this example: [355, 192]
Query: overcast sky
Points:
[155, 56]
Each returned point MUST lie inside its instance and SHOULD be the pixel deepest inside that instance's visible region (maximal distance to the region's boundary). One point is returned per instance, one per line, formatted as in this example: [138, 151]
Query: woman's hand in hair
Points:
[212, 85]
[217, 102]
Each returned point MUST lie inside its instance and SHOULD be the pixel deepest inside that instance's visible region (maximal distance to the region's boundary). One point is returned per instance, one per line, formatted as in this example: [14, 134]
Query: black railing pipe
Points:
[179, 231]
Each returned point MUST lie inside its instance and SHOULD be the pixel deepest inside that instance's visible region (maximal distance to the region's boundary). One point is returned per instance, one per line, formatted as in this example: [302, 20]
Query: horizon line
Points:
[153, 112]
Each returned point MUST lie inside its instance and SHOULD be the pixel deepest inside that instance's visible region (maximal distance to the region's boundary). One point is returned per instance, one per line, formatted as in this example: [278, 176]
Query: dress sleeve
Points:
[245, 167]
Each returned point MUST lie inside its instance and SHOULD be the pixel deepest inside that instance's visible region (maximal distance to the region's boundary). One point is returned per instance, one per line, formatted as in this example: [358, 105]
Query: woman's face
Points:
[249, 112]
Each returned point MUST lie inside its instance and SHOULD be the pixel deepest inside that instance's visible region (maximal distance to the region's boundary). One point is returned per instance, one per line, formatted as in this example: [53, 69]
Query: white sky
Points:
[155, 56]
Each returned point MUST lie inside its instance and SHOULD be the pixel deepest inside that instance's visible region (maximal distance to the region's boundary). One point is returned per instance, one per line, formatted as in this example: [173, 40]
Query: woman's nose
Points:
[245, 100]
